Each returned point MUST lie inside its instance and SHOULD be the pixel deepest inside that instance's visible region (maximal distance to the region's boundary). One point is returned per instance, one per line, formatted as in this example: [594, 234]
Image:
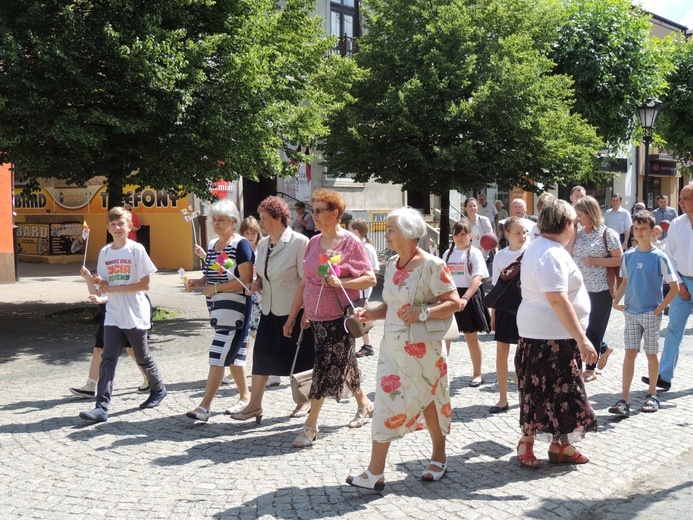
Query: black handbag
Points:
[506, 295]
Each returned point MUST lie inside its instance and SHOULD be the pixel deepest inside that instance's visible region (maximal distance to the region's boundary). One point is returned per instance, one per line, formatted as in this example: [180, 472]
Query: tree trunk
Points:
[444, 222]
[114, 188]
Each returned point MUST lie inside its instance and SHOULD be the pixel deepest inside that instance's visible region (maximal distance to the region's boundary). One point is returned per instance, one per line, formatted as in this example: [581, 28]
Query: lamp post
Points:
[648, 115]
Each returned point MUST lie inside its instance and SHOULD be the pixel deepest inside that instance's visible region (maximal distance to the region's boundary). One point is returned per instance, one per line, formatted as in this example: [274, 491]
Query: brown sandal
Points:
[527, 460]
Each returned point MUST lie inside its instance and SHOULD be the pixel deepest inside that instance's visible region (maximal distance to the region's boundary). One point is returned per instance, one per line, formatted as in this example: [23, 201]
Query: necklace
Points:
[407, 262]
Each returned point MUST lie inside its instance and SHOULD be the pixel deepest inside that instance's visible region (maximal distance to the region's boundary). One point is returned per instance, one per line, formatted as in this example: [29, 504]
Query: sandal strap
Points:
[373, 478]
[441, 465]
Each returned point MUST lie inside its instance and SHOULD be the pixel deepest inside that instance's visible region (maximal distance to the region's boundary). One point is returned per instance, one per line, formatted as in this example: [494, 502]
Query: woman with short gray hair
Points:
[227, 291]
[412, 384]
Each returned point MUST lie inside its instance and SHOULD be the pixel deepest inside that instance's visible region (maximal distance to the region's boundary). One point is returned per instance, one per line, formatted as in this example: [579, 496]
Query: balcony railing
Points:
[346, 46]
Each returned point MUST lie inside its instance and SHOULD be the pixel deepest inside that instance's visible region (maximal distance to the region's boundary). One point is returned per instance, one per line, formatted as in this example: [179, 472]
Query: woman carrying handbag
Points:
[412, 382]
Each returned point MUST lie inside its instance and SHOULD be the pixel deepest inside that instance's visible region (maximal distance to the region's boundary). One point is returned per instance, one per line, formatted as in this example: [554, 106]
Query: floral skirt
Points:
[336, 367]
[553, 400]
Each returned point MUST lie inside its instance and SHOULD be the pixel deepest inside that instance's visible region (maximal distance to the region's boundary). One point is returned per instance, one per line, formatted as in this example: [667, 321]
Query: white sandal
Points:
[434, 475]
[236, 408]
[362, 416]
[310, 435]
[199, 414]
[370, 482]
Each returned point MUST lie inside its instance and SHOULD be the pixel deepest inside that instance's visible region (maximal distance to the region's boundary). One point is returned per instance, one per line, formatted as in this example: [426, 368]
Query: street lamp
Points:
[648, 115]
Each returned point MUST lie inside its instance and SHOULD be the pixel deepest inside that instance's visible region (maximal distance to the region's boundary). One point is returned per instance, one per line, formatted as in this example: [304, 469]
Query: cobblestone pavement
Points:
[159, 464]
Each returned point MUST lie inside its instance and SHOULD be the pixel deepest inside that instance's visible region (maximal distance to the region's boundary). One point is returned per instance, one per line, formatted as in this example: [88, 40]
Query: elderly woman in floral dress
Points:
[412, 381]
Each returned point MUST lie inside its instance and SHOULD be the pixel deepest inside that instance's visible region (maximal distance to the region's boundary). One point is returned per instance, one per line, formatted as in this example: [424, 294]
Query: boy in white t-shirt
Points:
[123, 272]
[643, 269]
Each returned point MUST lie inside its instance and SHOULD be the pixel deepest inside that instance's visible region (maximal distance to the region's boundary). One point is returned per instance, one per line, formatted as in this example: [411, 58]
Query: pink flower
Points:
[390, 383]
[400, 277]
[418, 350]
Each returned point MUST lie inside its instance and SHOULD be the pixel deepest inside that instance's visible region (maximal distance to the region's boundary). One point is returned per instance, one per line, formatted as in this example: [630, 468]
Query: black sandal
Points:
[621, 408]
[651, 404]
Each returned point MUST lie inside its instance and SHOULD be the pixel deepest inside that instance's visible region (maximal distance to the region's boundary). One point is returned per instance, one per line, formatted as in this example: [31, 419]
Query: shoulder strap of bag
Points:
[606, 247]
[509, 271]
[298, 347]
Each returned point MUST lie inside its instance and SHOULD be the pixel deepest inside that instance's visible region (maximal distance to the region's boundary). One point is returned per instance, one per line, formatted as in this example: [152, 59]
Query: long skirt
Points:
[553, 400]
[336, 367]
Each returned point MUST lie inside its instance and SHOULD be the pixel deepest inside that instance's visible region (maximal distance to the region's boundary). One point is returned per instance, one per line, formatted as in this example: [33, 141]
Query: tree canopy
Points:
[458, 94]
[606, 47]
[180, 91]
[675, 123]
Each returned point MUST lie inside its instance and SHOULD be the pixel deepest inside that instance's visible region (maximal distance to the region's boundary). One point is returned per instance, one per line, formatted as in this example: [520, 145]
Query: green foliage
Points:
[605, 46]
[675, 122]
[457, 94]
[181, 91]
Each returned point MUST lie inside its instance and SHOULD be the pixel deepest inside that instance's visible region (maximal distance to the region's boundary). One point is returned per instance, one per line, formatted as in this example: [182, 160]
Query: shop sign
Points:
[663, 168]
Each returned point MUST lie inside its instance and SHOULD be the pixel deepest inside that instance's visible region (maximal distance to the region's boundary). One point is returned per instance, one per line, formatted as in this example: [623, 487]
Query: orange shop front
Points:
[50, 223]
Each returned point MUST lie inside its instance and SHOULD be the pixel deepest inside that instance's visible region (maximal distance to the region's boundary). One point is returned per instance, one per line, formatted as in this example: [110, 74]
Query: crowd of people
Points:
[292, 282]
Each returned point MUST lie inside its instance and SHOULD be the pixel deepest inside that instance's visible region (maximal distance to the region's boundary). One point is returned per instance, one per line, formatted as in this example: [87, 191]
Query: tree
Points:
[675, 122]
[458, 94]
[606, 47]
[181, 91]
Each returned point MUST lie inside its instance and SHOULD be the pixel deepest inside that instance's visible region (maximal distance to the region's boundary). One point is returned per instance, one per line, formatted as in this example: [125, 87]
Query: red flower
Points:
[418, 350]
[395, 421]
[442, 366]
[390, 383]
[399, 277]
[446, 275]
[434, 388]
[446, 410]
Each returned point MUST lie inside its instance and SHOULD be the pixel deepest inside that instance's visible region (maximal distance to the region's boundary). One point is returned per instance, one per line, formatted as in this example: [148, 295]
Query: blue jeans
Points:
[679, 311]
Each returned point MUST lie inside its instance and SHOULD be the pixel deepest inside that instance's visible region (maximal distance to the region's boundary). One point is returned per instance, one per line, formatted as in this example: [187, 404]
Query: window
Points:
[344, 23]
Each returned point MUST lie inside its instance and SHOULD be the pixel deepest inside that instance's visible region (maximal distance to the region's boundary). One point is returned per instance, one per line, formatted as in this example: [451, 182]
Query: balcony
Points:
[345, 46]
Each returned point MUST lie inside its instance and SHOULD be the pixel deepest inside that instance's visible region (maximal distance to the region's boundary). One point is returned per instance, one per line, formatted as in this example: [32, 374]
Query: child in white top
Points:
[359, 227]
[504, 323]
[468, 268]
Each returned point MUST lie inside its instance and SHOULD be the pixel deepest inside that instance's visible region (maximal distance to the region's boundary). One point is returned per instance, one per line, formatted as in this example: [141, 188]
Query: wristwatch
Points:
[425, 314]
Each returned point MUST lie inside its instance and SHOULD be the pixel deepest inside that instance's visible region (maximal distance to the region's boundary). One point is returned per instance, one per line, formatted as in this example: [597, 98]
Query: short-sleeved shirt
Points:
[375, 264]
[503, 259]
[548, 267]
[620, 220]
[592, 245]
[240, 251]
[354, 263]
[667, 213]
[124, 266]
[489, 211]
[458, 265]
[645, 271]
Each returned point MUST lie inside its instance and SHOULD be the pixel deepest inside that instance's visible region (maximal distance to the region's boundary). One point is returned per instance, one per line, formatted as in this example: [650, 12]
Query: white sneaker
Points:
[87, 391]
[227, 380]
[274, 381]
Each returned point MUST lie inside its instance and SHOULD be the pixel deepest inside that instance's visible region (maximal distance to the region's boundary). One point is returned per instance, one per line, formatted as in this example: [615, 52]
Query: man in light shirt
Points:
[486, 209]
[618, 219]
[664, 212]
[679, 249]
[576, 194]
